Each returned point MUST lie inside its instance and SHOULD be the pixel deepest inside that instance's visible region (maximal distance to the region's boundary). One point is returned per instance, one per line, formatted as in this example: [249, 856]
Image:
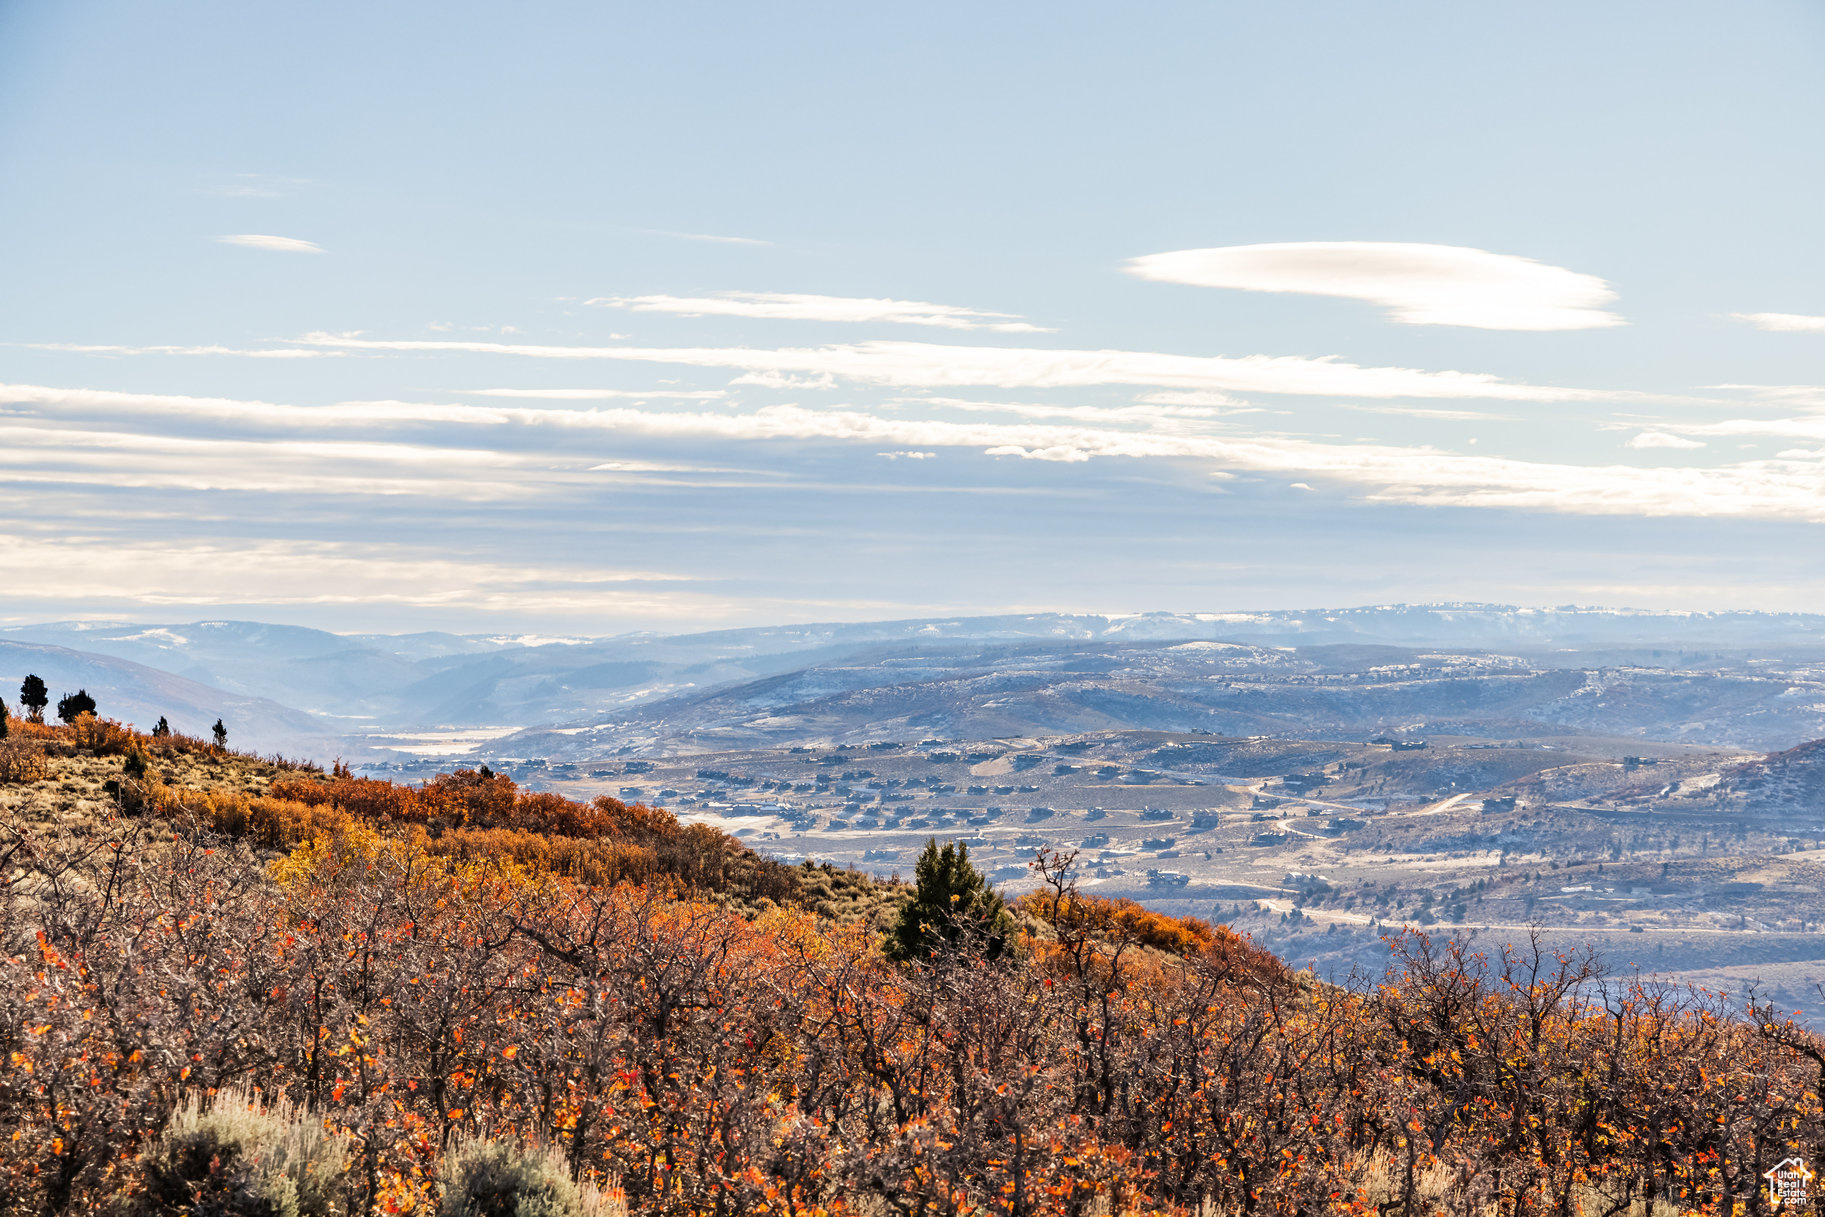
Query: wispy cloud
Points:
[1809, 428]
[711, 237]
[597, 394]
[260, 413]
[287, 245]
[224, 570]
[1063, 453]
[1810, 397]
[785, 380]
[1663, 439]
[665, 467]
[793, 307]
[1430, 412]
[103, 349]
[1143, 413]
[1418, 284]
[1187, 379]
[1784, 323]
[1790, 486]
[927, 365]
[1191, 397]
[117, 459]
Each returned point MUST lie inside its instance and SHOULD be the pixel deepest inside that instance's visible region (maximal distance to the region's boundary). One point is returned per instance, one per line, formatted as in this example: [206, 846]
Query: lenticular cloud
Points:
[1417, 284]
[260, 240]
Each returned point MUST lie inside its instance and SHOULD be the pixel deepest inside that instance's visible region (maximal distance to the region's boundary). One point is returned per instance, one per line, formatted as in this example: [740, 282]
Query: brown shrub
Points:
[174, 745]
[636, 819]
[1125, 920]
[470, 796]
[475, 814]
[100, 736]
[477, 799]
[272, 823]
[366, 797]
[593, 862]
[21, 761]
[26, 729]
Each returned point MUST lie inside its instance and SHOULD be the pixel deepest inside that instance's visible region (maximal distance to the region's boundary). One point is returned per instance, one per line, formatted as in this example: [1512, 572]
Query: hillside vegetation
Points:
[428, 974]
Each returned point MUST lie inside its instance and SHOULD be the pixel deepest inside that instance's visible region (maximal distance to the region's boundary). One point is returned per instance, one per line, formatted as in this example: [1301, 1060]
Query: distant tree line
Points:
[35, 696]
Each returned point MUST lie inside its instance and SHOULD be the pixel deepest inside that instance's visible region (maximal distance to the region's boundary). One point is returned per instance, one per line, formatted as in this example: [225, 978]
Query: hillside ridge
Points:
[420, 965]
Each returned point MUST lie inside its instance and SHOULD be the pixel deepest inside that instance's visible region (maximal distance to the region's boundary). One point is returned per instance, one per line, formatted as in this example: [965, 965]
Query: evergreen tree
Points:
[74, 705]
[953, 908]
[221, 734]
[2, 720]
[163, 730]
[34, 697]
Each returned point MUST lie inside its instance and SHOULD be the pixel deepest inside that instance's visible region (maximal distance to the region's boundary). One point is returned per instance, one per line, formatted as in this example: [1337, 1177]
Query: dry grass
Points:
[62, 789]
[1440, 1190]
[1446, 1191]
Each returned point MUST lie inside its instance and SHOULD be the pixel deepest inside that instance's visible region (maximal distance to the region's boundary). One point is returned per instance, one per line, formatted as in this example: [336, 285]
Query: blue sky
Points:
[603, 317]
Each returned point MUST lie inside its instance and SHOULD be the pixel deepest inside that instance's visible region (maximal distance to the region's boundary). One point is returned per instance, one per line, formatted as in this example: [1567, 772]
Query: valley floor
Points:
[1672, 859]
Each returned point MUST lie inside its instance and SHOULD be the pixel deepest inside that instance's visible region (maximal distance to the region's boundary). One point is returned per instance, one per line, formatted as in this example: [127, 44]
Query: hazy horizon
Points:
[507, 631]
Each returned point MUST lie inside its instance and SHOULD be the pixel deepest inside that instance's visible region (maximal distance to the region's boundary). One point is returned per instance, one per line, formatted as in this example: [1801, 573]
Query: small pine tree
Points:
[135, 763]
[953, 908]
[3, 727]
[34, 697]
[73, 706]
[221, 734]
[163, 730]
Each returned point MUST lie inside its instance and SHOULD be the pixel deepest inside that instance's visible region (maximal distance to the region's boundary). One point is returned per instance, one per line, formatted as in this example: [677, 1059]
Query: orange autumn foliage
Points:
[1127, 920]
[417, 968]
[476, 799]
[469, 814]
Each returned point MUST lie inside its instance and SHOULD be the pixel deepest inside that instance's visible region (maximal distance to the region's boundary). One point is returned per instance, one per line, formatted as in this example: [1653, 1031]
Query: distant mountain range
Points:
[295, 689]
[959, 691]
